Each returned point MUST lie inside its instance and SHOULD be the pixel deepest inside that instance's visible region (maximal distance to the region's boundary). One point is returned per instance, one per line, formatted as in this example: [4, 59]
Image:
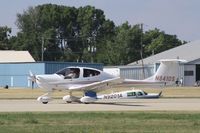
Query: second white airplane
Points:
[90, 81]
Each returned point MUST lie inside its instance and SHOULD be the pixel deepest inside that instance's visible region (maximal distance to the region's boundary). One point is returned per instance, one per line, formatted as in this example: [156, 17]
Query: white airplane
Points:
[130, 94]
[90, 81]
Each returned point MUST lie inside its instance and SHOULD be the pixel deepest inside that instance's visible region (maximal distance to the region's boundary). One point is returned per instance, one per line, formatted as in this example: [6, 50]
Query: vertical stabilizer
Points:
[167, 71]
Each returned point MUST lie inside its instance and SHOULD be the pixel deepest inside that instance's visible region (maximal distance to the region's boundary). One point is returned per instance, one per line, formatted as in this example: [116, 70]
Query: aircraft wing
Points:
[96, 86]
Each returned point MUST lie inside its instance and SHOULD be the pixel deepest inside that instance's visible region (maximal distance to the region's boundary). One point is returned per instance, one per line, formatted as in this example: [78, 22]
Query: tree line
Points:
[61, 33]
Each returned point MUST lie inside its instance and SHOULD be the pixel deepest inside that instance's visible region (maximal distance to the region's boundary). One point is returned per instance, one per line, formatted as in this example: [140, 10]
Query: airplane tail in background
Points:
[167, 71]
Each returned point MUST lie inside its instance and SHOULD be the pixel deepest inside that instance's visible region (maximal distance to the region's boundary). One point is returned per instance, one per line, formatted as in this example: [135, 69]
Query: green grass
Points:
[100, 122]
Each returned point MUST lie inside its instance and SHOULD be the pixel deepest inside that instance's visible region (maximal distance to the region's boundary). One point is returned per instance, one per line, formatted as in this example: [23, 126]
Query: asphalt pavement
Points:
[162, 104]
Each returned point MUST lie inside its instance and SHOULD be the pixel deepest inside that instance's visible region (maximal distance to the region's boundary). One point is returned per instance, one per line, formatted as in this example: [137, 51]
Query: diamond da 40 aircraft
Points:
[90, 81]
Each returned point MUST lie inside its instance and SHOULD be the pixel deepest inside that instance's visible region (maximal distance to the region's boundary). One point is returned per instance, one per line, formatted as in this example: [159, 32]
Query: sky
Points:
[176, 17]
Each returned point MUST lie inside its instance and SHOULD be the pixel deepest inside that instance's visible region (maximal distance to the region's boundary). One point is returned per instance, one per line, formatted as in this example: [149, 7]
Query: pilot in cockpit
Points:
[71, 74]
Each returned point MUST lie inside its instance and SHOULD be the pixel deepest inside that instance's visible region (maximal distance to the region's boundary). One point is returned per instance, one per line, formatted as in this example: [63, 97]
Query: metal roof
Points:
[8, 56]
[189, 52]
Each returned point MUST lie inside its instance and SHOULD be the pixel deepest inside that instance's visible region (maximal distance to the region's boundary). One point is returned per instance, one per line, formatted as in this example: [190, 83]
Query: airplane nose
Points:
[47, 78]
[39, 78]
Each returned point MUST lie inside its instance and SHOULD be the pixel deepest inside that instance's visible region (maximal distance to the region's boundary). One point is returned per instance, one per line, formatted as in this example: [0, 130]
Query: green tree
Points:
[125, 46]
[4, 37]
[156, 42]
[29, 37]
[71, 30]
[84, 34]
[93, 28]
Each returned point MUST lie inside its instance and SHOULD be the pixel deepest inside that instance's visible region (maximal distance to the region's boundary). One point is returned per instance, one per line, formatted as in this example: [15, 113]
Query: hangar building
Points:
[15, 67]
[189, 71]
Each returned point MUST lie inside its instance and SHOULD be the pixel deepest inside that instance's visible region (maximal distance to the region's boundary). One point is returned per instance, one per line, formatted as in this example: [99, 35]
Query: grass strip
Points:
[100, 122]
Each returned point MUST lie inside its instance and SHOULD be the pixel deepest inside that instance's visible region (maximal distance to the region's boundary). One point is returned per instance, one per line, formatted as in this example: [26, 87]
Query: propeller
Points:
[32, 78]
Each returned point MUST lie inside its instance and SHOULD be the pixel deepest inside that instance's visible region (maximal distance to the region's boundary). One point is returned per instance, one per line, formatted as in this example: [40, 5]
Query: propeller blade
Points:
[32, 78]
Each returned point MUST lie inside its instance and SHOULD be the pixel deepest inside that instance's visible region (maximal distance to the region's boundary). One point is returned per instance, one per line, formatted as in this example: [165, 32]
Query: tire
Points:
[44, 102]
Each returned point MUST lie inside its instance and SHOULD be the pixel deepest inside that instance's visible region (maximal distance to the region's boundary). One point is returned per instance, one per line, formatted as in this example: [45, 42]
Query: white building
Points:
[190, 71]
[9, 56]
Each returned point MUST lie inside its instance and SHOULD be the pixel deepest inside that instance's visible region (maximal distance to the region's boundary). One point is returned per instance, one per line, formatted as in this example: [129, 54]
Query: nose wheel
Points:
[44, 98]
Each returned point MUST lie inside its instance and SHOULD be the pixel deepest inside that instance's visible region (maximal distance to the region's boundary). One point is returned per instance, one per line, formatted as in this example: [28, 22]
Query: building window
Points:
[188, 73]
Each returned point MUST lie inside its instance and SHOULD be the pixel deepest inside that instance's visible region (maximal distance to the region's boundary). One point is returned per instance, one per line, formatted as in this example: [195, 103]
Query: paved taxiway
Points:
[183, 104]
